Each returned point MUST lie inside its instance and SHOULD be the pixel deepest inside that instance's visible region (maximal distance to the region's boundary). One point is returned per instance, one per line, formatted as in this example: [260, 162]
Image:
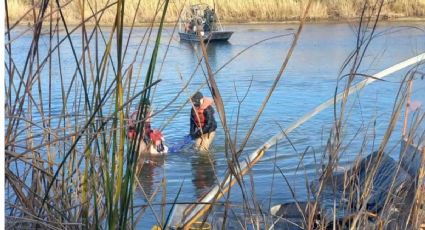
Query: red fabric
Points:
[199, 117]
[155, 135]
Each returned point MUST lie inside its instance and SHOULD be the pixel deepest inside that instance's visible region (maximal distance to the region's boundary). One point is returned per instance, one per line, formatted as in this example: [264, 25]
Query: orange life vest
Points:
[199, 116]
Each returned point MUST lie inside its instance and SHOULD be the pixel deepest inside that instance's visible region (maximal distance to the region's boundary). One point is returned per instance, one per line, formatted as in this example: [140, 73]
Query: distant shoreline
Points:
[229, 12]
[229, 23]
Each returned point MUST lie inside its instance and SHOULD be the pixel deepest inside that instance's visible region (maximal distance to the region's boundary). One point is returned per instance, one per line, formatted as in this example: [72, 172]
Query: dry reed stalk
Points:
[83, 142]
[89, 186]
[237, 10]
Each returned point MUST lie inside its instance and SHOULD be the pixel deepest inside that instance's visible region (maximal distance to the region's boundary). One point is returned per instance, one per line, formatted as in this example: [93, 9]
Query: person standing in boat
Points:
[213, 20]
[202, 121]
[208, 19]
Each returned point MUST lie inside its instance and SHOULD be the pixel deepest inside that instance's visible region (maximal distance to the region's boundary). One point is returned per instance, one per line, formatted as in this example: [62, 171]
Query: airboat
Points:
[200, 23]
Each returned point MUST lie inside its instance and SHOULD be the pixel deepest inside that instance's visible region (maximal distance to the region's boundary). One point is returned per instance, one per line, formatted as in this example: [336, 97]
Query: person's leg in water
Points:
[203, 143]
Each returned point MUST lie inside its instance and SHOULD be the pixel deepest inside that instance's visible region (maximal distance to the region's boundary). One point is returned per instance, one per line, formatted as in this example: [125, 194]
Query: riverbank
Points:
[229, 12]
[232, 23]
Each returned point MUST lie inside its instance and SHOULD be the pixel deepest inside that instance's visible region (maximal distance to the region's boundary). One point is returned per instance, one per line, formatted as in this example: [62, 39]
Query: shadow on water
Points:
[203, 171]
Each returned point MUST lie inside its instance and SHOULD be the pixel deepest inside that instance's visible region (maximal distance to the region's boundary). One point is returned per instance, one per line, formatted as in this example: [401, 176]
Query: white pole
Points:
[209, 198]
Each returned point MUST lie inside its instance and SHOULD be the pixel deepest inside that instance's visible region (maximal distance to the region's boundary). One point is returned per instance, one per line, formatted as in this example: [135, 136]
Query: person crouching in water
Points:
[152, 139]
[202, 121]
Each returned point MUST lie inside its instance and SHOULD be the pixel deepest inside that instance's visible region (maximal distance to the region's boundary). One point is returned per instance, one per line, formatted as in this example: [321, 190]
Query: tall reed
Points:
[74, 168]
[69, 164]
[371, 13]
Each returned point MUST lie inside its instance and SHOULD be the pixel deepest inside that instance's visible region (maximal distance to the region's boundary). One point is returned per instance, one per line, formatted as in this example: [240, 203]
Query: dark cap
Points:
[196, 98]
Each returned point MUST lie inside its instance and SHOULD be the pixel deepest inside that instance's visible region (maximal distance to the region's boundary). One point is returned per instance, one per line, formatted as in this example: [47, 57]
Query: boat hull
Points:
[215, 36]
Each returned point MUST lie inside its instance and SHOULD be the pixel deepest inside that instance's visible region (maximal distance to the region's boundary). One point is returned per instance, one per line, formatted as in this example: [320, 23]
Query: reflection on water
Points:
[203, 172]
[210, 47]
[310, 79]
[150, 167]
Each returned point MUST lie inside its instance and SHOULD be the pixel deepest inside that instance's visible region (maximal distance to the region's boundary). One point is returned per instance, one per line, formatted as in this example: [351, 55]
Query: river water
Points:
[309, 79]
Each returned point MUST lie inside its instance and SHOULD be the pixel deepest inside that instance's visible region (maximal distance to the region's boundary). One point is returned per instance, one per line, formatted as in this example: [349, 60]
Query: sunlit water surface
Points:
[309, 79]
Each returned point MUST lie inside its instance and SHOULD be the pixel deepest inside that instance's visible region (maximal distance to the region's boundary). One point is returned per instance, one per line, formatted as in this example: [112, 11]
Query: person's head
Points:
[197, 99]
